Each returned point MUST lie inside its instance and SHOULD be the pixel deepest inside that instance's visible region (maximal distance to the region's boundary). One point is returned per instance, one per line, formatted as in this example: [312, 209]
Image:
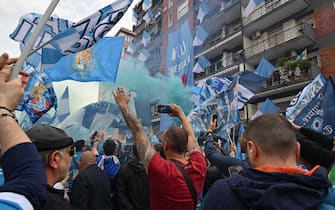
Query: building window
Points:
[170, 3]
[170, 19]
[182, 9]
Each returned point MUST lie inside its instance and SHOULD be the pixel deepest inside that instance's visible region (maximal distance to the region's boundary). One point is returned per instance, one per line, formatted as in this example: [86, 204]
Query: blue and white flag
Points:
[304, 97]
[220, 85]
[131, 48]
[265, 68]
[39, 96]
[145, 38]
[63, 109]
[302, 55]
[135, 18]
[144, 55]
[99, 63]
[148, 16]
[251, 7]
[249, 84]
[268, 107]
[95, 116]
[200, 36]
[201, 65]
[65, 37]
[146, 5]
[317, 111]
[179, 59]
[203, 11]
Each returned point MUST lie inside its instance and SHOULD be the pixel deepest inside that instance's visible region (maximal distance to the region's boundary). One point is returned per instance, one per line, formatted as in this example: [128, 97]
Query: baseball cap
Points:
[46, 137]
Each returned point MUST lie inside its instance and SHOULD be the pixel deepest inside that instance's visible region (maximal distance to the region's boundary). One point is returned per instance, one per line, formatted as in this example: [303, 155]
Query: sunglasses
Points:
[72, 151]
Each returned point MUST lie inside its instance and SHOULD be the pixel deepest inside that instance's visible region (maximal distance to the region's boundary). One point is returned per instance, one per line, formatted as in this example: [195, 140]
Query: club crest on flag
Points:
[83, 62]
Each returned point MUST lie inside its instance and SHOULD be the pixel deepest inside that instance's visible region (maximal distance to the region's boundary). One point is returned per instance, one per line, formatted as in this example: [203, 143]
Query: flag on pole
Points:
[99, 63]
[251, 7]
[135, 18]
[201, 65]
[303, 55]
[203, 11]
[148, 16]
[265, 68]
[268, 107]
[144, 55]
[146, 5]
[145, 38]
[63, 109]
[63, 37]
[95, 116]
[200, 36]
[131, 48]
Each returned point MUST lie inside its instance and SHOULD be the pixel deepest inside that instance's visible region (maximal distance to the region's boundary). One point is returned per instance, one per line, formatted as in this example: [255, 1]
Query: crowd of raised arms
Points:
[286, 166]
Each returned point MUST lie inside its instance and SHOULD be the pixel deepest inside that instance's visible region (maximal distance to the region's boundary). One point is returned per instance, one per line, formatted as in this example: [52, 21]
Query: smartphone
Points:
[215, 117]
[164, 109]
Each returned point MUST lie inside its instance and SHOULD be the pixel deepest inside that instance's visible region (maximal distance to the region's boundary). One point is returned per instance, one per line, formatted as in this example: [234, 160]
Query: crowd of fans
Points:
[287, 166]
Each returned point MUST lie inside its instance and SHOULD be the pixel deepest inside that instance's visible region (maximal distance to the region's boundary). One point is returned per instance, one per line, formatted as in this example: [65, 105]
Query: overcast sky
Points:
[74, 10]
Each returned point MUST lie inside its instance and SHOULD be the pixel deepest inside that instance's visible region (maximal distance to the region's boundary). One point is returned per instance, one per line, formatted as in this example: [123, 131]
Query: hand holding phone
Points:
[164, 109]
[215, 119]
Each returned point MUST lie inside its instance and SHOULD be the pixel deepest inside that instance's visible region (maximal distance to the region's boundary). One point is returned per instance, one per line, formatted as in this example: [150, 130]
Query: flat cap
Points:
[46, 137]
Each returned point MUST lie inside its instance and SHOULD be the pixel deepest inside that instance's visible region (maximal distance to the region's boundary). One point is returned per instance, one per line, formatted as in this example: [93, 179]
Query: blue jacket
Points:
[221, 161]
[254, 189]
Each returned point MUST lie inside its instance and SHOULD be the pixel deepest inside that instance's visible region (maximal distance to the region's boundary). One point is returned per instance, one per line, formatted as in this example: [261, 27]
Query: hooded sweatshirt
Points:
[133, 187]
[270, 188]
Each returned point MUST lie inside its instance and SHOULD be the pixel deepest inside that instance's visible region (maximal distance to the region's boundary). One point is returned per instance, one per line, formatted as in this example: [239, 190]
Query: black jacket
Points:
[315, 148]
[132, 187]
[55, 200]
[91, 190]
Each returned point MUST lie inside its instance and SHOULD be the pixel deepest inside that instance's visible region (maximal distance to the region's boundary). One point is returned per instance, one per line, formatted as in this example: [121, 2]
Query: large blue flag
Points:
[63, 37]
[203, 11]
[316, 110]
[99, 63]
[179, 59]
[95, 116]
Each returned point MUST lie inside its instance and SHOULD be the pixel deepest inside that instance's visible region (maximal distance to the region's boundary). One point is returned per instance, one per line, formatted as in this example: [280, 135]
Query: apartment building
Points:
[278, 30]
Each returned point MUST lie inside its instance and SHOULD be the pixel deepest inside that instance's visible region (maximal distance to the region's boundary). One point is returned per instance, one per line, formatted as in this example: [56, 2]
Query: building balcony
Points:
[228, 67]
[216, 43]
[272, 12]
[220, 15]
[284, 83]
[296, 37]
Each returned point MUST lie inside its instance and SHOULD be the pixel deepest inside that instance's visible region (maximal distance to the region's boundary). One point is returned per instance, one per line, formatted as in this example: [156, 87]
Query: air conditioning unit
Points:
[255, 35]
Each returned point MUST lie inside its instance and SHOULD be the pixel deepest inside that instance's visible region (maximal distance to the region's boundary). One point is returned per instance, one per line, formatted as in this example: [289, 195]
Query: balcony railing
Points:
[282, 78]
[217, 38]
[223, 66]
[279, 38]
[262, 10]
[220, 11]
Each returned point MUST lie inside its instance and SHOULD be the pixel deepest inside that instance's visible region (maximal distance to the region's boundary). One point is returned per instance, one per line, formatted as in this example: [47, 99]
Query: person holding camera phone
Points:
[175, 182]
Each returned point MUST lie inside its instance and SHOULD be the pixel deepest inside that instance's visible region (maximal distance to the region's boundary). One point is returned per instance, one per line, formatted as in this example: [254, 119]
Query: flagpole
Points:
[32, 40]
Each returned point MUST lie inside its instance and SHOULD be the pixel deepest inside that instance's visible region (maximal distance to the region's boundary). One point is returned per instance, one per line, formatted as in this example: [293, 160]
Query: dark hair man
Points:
[91, 188]
[56, 151]
[132, 185]
[274, 182]
[25, 180]
[168, 188]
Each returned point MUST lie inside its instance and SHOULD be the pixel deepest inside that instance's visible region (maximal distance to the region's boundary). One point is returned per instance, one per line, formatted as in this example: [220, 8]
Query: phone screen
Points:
[215, 117]
[164, 109]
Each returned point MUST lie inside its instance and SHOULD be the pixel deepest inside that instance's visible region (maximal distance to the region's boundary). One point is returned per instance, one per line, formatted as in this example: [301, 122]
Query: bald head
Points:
[87, 158]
